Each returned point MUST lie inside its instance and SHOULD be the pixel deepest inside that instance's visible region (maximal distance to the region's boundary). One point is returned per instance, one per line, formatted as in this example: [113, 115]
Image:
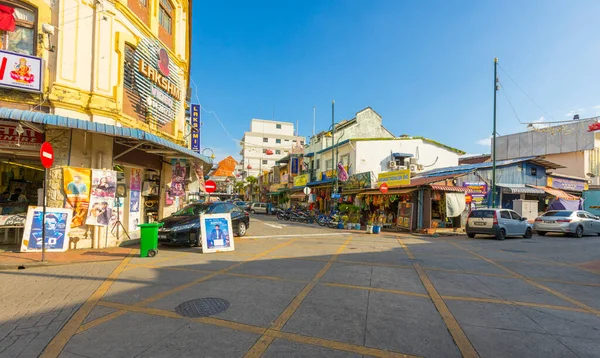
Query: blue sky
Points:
[425, 66]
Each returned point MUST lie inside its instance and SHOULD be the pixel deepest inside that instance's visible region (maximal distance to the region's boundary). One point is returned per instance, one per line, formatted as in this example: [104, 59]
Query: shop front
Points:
[448, 206]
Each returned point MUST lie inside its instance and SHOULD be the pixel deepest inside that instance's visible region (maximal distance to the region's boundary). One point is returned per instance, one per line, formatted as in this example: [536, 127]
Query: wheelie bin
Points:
[149, 239]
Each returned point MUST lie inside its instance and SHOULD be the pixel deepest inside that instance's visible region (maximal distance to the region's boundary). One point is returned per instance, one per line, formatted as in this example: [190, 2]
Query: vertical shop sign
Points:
[135, 186]
[294, 165]
[77, 183]
[178, 177]
[195, 124]
[102, 198]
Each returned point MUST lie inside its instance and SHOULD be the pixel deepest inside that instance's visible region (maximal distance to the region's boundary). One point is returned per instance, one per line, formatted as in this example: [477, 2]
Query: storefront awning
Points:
[128, 136]
[556, 192]
[451, 188]
[320, 182]
[298, 196]
[520, 189]
[389, 192]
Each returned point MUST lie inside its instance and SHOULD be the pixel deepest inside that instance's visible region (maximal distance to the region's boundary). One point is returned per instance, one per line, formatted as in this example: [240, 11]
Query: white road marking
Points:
[275, 226]
[297, 235]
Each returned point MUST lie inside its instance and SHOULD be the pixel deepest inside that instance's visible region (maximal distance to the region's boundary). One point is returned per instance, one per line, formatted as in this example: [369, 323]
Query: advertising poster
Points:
[217, 233]
[136, 180]
[178, 177]
[135, 187]
[20, 72]
[101, 211]
[478, 197]
[77, 183]
[405, 215]
[58, 224]
[200, 176]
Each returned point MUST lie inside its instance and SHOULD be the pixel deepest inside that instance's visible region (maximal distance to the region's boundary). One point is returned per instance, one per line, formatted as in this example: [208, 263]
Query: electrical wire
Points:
[510, 104]
[525, 93]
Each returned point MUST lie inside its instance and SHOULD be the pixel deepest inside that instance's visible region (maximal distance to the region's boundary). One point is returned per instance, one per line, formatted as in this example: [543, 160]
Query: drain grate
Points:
[514, 251]
[202, 307]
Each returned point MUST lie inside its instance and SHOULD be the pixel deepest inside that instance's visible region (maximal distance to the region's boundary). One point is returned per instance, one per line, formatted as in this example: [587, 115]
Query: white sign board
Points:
[306, 190]
[58, 224]
[217, 233]
[20, 71]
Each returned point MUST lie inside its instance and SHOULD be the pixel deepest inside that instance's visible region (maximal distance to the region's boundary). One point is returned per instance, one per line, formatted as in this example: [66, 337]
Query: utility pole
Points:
[494, 135]
[332, 149]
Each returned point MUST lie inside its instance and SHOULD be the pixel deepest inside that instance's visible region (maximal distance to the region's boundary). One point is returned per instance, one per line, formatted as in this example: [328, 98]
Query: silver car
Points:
[498, 222]
[576, 223]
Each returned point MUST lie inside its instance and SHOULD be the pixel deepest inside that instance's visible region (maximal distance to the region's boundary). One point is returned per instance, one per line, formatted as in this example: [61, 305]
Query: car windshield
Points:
[562, 214]
[192, 210]
[486, 214]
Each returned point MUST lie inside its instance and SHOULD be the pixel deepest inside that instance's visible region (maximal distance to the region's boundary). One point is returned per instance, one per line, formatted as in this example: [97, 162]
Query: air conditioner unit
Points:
[401, 167]
[413, 160]
[420, 166]
[413, 168]
[391, 164]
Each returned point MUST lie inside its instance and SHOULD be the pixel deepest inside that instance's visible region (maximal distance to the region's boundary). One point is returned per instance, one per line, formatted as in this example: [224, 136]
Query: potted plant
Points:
[377, 226]
[343, 222]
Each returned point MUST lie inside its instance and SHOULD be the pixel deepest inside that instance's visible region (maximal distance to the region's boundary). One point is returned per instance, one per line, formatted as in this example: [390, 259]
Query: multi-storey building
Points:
[266, 143]
[105, 83]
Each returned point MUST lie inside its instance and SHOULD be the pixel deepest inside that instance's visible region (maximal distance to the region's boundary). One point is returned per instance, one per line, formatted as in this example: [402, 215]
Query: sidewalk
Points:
[12, 260]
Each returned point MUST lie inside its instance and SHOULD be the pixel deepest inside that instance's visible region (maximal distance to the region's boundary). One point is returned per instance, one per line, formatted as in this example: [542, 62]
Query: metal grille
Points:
[202, 307]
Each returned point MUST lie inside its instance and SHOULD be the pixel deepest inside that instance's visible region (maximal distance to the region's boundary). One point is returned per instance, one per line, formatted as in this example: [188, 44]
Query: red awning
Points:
[451, 188]
[7, 18]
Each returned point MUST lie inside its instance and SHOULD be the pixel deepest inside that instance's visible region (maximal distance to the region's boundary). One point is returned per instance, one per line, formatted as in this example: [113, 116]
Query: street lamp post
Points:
[332, 149]
[494, 136]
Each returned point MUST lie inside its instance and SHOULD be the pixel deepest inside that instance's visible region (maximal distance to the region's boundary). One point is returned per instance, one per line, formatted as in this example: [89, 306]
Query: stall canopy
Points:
[451, 188]
[298, 196]
[556, 192]
[133, 138]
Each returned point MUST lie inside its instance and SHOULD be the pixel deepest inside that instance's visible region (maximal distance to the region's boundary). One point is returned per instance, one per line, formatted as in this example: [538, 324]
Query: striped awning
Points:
[520, 189]
[451, 188]
[556, 192]
[298, 196]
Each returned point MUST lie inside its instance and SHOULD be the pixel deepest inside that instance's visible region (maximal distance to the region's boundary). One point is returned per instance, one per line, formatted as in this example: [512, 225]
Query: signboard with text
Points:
[301, 180]
[195, 124]
[396, 178]
[358, 181]
[20, 72]
[478, 193]
[567, 184]
[10, 137]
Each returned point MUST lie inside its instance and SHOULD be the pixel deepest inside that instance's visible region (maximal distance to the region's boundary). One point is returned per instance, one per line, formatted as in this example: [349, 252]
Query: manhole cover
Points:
[202, 307]
[514, 251]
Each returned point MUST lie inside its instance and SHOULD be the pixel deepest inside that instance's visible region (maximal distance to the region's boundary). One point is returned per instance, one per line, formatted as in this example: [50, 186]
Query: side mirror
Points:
[523, 219]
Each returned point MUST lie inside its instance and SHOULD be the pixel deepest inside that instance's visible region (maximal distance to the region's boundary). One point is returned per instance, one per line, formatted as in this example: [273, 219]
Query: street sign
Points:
[210, 186]
[306, 190]
[335, 196]
[383, 188]
[47, 155]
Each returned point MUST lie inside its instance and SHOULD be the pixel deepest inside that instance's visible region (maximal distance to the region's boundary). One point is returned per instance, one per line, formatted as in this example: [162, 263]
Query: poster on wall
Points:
[478, 195]
[77, 184]
[217, 233]
[136, 180]
[200, 176]
[58, 224]
[135, 186]
[178, 177]
[405, 215]
[101, 210]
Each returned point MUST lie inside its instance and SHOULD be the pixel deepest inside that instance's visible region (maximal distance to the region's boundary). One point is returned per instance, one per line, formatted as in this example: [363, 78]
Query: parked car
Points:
[244, 205]
[260, 208]
[501, 223]
[183, 227]
[575, 223]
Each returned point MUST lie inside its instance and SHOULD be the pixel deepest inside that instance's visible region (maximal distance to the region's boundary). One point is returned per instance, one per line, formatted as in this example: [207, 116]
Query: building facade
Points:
[265, 144]
[108, 90]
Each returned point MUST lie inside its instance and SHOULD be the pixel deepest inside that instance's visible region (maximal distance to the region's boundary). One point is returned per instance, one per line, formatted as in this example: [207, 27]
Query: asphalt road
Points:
[294, 290]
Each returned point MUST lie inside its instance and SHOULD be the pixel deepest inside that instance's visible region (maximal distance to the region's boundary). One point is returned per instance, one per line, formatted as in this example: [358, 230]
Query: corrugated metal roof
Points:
[95, 127]
[500, 163]
[451, 188]
[519, 189]
[556, 192]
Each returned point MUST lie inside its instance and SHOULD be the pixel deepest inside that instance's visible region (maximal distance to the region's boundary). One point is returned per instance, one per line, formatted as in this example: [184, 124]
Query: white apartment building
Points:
[266, 143]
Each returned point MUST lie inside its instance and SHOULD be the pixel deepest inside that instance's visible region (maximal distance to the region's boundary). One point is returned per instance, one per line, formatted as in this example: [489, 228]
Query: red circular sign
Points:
[47, 155]
[383, 188]
[210, 186]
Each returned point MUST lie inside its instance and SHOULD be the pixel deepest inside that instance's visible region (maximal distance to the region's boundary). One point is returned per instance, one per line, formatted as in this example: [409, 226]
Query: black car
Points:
[183, 227]
[244, 205]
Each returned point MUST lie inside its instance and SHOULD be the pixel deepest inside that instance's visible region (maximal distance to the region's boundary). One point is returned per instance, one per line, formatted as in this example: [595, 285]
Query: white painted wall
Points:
[270, 127]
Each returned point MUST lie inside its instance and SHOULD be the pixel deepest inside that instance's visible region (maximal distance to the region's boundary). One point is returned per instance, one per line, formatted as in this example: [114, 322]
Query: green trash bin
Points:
[149, 239]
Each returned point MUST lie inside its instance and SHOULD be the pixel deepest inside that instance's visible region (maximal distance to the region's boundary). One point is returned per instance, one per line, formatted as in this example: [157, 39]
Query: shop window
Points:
[265, 161]
[278, 141]
[328, 164]
[318, 163]
[265, 151]
[278, 126]
[265, 140]
[277, 151]
[345, 159]
[165, 16]
[143, 3]
[534, 172]
[301, 142]
[22, 39]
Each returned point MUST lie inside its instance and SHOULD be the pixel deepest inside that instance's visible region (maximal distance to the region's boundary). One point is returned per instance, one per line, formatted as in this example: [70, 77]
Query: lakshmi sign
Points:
[155, 82]
[20, 71]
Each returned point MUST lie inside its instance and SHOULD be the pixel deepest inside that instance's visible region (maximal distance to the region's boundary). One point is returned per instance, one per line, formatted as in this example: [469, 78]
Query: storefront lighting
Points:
[23, 166]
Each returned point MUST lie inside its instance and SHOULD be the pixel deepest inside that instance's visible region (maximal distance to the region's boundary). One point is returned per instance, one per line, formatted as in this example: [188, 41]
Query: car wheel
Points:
[241, 231]
[471, 235]
[501, 235]
[193, 240]
[528, 233]
[252, 211]
[579, 232]
[543, 233]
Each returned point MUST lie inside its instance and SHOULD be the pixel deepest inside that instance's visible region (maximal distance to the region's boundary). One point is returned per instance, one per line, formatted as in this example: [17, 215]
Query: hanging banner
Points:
[77, 182]
[102, 198]
[178, 177]
[58, 223]
[135, 186]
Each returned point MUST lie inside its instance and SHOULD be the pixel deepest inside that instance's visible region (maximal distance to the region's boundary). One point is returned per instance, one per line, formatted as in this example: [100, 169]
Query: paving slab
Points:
[283, 348]
[565, 323]
[492, 315]
[457, 284]
[349, 274]
[583, 347]
[394, 278]
[586, 294]
[553, 272]
[283, 268]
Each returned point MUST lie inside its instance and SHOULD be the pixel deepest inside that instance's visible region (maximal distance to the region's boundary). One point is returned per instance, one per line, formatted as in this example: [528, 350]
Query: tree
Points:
[251, 180]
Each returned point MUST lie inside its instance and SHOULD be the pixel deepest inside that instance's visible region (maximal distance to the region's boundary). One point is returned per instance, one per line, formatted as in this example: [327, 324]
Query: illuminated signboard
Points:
[195, 124]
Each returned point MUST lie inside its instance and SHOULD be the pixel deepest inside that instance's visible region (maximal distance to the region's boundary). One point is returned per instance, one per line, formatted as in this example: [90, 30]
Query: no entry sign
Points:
[47, 155]
[210, 186]
[383, 188]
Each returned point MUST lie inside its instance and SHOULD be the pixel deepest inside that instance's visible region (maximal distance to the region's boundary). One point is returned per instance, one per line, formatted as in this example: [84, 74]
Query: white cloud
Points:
[486, 142]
